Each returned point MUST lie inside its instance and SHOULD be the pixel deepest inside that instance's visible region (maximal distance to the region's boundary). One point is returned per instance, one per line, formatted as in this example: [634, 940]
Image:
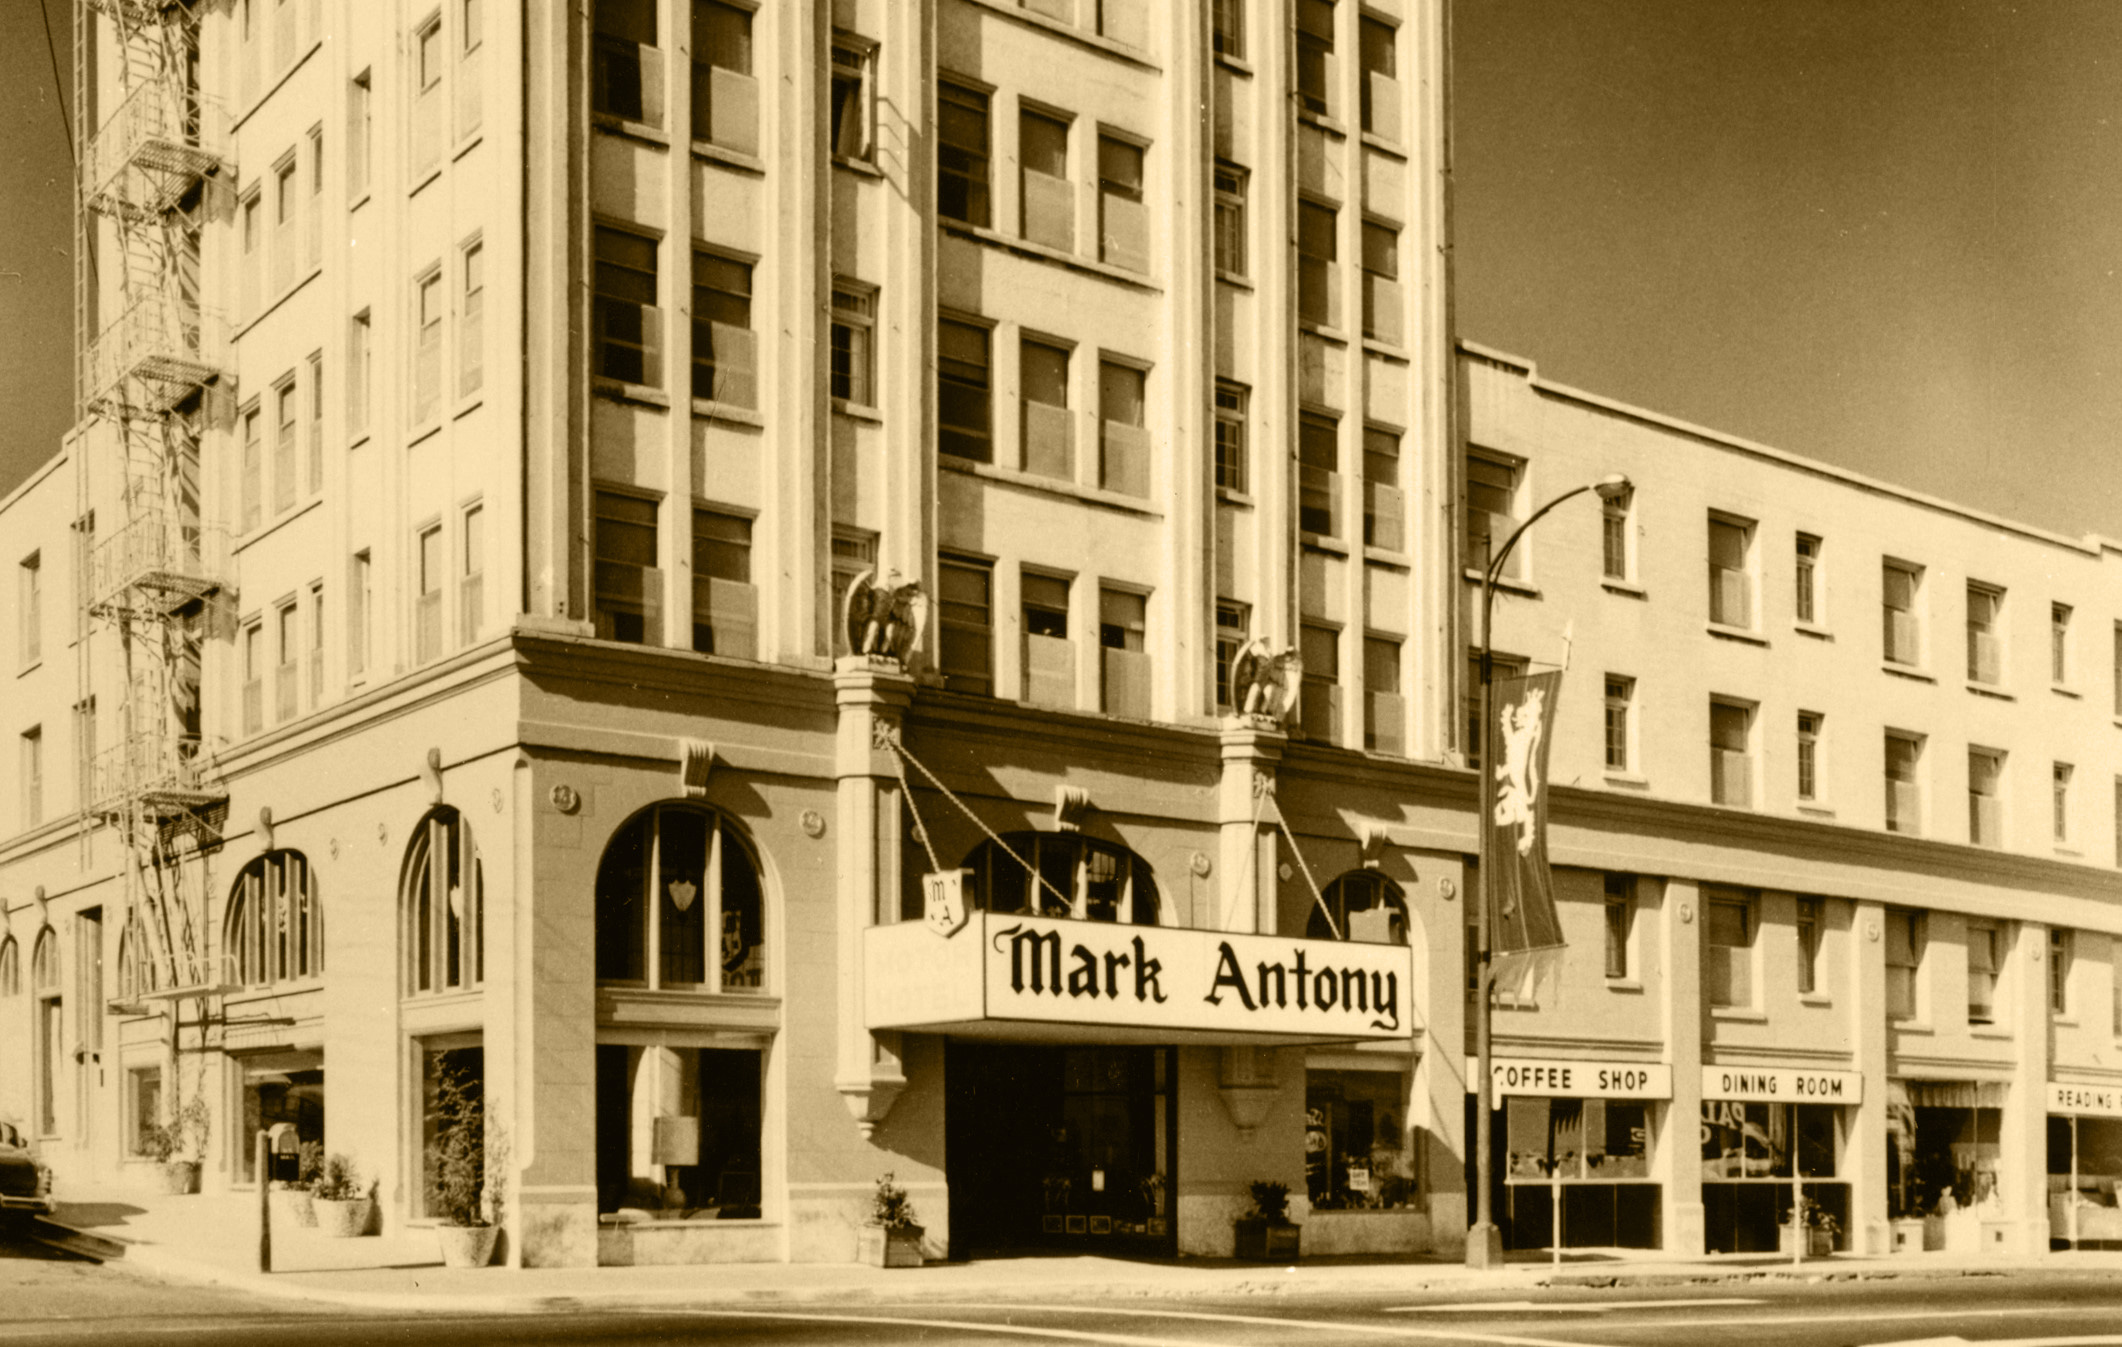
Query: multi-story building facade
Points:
[728, 571]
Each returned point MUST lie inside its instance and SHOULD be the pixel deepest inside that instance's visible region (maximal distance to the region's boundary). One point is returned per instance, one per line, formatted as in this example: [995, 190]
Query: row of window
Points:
[629, 579]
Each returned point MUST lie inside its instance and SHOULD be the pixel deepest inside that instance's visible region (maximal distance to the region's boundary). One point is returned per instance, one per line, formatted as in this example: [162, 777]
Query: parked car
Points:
[25, 1182]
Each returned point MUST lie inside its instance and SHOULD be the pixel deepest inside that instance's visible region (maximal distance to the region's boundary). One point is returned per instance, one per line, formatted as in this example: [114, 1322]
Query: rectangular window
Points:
[1230, 220]
[285, 404]
[1728, 963]
[1046, 196]
[1731, 582]
[626, 70]
[471, 577]
[1124, 458]
[1807, 598]
[1320, 709]
[471, 322]
[1228, 28]
[430, 117]
[359, 132]
[1384, 505]
[1904, 796]
[629, 586]
[30, 589]
[1985, 805]
[1620, 918]
[357, 375]
[854, 101]
[32, 776]
[965, 590]
[1985, 956]
[1049, 429]
[854, 343]
[254, 678]
[1123, 620]
[1809, 723]
[1620, 699]
[725, 601]
[964, 391]
[1315, 55]
[725, 91]
[2118, 669]
[1904, 962]
[1049, 656]
[471, 32]
[84, 572]
[1123, 217]
[1376, 44]
[427, 347]
[143, 1101]
[360, 596]
[316, 422]
[1318, 475]
[1903, 635]
[1231, 402]
[962, 154]
[1318, 298]
[627, 323]
[1492, 511]
[1384, 710]
[716, 1170]
[2059, 643]
[287, 685]
[284, 223]
[1500, 668]
[2059, 794]
[1234, 629]
[1985, 634]
[1614, 532]
[2059, 962]
[1731, 760]
[314, 239]
[253, 491]
[1808, 946]
[85, 753]
[1383, 318]
[427, 605]
[725, 349]
[253, 256]
[316, 644]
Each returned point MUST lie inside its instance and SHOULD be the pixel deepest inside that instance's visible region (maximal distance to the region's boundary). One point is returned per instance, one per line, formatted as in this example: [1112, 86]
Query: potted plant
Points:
[342, 1201]
[1815, 1225]
[891, 1237]
[1265, 1232]
[456, 1171]
[293, 1195]
[178, 1144]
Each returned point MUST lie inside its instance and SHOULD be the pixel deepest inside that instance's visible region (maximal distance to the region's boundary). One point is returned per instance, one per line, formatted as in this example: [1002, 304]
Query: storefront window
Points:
[466, 1065]
[1751, 1154]
[678, 1132]
[1069, 875]
[679, 905]
[1942, 1146]
[1357, 1153]
[2084, 1167]
[1366, 906]
[1595, 1156]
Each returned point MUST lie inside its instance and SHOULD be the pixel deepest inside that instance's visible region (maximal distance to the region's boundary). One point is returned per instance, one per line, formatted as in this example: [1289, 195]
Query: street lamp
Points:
[1484, 1243]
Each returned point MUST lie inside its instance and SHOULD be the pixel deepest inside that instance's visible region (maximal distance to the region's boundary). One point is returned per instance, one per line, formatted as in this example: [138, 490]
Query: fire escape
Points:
[144, 382]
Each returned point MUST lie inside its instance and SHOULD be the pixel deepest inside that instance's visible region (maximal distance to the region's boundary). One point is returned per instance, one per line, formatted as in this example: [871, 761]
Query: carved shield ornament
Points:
[945, 912]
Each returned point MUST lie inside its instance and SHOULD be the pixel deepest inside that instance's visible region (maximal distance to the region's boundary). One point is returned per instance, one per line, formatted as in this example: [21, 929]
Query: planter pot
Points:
[467, 1245]
[879, 1247]
[1818, 1243]
[1266, 1243]
[180, 1177]
[293, 1207]
[341, 1218]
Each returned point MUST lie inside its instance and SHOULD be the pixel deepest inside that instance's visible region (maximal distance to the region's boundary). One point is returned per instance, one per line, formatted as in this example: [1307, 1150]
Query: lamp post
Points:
[1484, 1243]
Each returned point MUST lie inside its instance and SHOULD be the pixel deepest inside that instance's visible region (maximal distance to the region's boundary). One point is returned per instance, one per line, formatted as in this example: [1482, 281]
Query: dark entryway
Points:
[1060, 1148]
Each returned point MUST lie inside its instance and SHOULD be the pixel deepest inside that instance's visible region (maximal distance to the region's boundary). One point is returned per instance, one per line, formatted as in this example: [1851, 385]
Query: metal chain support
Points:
[891, 741]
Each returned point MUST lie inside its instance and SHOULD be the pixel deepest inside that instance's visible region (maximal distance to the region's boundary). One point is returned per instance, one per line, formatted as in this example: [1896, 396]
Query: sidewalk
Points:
[214, 1238]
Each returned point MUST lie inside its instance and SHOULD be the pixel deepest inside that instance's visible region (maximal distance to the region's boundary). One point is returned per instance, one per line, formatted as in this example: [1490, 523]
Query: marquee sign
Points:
[2092, 1101]
[1782, 1085]
[1567, 1077]
[1155, 983]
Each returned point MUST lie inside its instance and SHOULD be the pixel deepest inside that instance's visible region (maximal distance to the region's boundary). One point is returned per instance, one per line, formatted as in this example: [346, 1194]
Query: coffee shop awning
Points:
[1043, 979]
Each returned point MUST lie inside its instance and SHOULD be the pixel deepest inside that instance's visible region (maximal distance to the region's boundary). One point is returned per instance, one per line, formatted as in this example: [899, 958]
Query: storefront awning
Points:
[1018, 977]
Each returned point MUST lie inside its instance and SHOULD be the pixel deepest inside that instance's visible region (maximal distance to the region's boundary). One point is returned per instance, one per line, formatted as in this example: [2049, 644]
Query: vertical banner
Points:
[1526, 932]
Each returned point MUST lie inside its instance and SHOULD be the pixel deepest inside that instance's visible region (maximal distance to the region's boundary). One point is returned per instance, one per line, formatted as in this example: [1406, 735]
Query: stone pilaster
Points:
[2022, 1162]
[1864, 1146]
[1678, 1163]
[872, 695]
[1245, 855]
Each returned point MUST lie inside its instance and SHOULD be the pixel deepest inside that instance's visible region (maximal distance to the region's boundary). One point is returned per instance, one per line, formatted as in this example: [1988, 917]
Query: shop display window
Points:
[2084, 1170]
[678, 1133]
[437, 1060]
[1943, 1144]
[279, 1088]
[1593, 1156]
[1571, 1139]
[1358, 1154]
[1766, 1141]
[1366, 906]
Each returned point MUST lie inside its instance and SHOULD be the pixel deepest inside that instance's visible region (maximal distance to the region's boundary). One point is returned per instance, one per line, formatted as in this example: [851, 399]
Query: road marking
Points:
[1064, 1334]
[1565, 1307]
[1896, 1316]
[2101, 1340]
[1334, 1325]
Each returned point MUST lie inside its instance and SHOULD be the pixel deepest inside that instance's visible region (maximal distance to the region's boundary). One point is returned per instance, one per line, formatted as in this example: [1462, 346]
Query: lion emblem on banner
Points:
[1518, 772]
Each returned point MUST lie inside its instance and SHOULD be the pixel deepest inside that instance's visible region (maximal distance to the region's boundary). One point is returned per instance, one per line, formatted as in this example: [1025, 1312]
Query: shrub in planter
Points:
[457, 1189]
[293, 1195]
[1812, 1224]
[343, 1203]
[1265, 1232]
[891, 1238]
[178, 1144]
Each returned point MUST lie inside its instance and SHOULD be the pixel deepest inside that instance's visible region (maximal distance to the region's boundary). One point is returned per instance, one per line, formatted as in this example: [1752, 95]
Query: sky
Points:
[1881, 233]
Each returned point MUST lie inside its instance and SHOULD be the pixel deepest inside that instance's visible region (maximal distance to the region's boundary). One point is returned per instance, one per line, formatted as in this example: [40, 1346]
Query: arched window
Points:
[44, 964]
[445, 907]
[138, 973]
[275, 930]
[680, 904]
[10, 967]
[1099, 881]
[1367, 907]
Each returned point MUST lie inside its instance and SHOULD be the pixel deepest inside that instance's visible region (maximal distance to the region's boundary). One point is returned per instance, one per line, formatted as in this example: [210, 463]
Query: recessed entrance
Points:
[1053, 1148]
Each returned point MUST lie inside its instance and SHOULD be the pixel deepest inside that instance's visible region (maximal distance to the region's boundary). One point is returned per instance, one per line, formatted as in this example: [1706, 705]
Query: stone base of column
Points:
[1484, 1247]
[1685, 1229]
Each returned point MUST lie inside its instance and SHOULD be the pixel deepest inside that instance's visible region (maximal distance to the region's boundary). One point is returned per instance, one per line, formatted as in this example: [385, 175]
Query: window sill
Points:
[1380, 346]
[30, 668]
[1040, 252]
[471, 402]
[855, 411]
[266, 309]
[1627, 589]
[1384, 556]
[1319, 543]
[2063, 690]
[1986, 690]
[1384, 146]
[1815, 999]
[2064, 1021]
[1325, 121]
[1738, 1014]
[860, 167]
[467, 145]
[635, 393]
[430, 427]
[1628, 780]
[1630, 985]
[1506, 584]
[1070, 32]
[613, 1221]
[422, 177]
[641, 131]
[1816, 632]
[357, 441]
[1910, 1026]
[737, 159]
[1739, 634]
[267, 530]
[706, 409]
[1235, 64]
[358, 202]
[1339, 336]
[1816, 810]
[2070, 853]
[1990, 1033]
[1228, 496]
[1053, 486]
[1234, 280]
[1909, 671]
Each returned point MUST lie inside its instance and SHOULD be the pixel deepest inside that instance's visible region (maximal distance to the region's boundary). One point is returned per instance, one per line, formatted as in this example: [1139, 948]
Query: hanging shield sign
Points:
[945, 890]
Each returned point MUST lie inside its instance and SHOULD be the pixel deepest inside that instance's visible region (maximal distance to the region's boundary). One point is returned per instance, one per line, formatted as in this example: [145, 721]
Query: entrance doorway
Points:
[1060, 1148]
[279, 1087]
